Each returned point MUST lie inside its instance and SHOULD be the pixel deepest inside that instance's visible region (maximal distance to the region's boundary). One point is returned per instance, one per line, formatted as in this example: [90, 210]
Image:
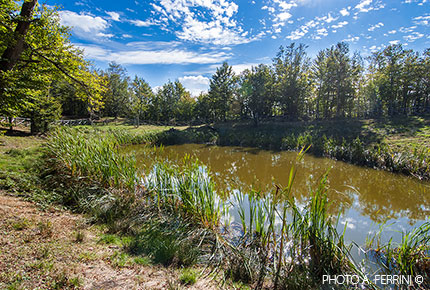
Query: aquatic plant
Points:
[174, 214]
[408, 257]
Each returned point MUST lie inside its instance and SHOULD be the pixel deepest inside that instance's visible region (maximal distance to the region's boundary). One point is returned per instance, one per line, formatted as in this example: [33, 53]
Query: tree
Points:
[117, 99]
[387, 66]
[15, 38]
[142, 97]
[335, 74]
[292, 79]
[167, 99]
[257, 91]
[221, 90]
[35, 51]
[202, 108]
[186, 107]
[71, 104]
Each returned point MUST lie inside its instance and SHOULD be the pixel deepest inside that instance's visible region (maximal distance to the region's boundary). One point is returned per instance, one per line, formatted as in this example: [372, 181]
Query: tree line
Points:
[43, 76]
[335, 84]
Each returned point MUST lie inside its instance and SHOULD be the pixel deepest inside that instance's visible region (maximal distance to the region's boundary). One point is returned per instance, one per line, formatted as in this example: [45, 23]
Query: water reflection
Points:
[374, 194]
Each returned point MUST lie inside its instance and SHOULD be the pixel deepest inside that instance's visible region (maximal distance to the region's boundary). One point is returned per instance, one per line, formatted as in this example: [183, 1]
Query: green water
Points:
[363, 196]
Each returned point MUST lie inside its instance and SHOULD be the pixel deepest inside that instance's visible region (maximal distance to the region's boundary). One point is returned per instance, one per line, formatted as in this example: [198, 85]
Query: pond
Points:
[364, 197]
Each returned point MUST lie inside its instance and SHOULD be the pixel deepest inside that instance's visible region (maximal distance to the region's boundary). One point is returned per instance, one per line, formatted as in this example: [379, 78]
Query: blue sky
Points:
[163, 40]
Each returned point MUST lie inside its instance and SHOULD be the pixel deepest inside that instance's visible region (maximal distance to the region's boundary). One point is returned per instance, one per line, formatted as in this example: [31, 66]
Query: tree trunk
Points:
[16, 47]
[11, 124]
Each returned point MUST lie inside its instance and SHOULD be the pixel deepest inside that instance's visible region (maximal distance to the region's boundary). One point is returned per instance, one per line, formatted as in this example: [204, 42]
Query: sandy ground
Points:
[41, 250]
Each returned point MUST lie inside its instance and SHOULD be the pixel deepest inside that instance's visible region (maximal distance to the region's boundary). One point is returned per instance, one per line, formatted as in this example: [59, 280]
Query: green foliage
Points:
[400, 78]
[172, 102]
[143, 261]
[168, 239]
[109, 239]
[47, 56]
[409, 257]
[191, 186]
[142, 97]
[117, 97]
[292, 80]
[96, 158]
[188, 276]
[21, 224]
[120, 259]
[221, 91]
[257, 92]
[336, 75]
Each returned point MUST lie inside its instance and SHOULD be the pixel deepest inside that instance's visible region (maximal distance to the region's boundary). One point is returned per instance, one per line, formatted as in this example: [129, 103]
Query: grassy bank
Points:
[399, 145]
[45, 247]
[173, 216]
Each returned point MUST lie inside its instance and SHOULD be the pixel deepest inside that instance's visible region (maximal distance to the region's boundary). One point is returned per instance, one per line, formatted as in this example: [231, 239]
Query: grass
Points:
[188, 276]
[408, 257]
[172, 215]
[21, 224]
[289, 246]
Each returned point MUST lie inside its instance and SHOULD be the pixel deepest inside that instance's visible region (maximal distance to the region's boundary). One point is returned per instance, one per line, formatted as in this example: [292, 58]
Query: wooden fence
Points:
[27, 121]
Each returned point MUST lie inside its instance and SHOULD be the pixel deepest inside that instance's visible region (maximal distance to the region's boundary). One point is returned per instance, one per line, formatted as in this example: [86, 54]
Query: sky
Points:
[186, 40]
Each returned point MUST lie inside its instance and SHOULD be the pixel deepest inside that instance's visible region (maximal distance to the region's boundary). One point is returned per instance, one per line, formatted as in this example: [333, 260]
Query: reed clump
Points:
[408, 257]
[175, 216]
[284, 245]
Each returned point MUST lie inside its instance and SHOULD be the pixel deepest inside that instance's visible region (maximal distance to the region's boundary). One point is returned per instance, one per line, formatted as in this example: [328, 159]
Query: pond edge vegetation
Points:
[413, 160]
[174, 216]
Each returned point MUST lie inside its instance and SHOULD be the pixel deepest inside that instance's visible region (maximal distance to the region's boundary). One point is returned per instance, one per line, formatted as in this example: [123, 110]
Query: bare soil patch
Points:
[43, 250]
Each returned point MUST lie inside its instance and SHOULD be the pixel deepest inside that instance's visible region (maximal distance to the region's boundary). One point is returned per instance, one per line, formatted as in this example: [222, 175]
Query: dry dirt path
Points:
[43, 250]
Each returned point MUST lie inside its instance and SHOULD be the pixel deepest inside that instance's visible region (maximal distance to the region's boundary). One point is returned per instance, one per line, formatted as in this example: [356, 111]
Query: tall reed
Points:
[188, 188]
[94, 158]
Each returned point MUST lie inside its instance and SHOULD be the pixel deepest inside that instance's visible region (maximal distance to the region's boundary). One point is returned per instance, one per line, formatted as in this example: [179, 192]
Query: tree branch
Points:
[61, 69]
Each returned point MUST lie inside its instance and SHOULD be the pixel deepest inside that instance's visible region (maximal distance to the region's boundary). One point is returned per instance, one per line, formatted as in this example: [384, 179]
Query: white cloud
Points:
[322, 32]
[328, 18]
[141, 23]
[280, 12]
[270, 9]
[344, 12]
[297, 34]
[211, 32]
[352, 38]
[212, 23]
[422, 20]
[413, 36]
[113, 15]
[340, 25]
[363, 6]
[373, 27]
[283, 16]
[104, 35]
[393, 42]
[420, 2]
[239, 68]
[138, 55]
[85, 25]
[392, 31]
[195, 84]
[285, 5]
[368, 5]
[407, 29]
[304, 29]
